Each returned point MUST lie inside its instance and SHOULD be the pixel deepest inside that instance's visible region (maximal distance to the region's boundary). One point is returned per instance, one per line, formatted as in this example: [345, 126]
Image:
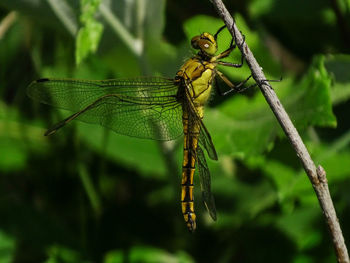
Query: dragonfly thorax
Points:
[196, 76]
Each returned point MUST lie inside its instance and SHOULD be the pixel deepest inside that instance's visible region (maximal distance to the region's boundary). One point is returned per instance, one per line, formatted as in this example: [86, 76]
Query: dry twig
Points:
[317, 175]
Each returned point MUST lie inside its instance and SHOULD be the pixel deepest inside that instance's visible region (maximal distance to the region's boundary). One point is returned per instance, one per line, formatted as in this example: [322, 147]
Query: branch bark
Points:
[317, 176]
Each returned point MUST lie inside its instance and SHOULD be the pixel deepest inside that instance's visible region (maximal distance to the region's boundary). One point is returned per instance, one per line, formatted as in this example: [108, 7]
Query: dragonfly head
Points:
[206, 43]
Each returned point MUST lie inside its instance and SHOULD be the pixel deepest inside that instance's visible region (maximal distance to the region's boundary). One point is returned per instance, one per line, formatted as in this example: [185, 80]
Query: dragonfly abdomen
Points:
[191, 135]
[187, 202]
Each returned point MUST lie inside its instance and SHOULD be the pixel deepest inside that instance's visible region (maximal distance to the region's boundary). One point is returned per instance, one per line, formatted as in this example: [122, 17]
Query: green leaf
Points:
[12, 155]
[334, 164]
[7, 248]
[303, 259]
[242, 201]
[331, 156]
[90, 34]
[300, 226]
[140, 154]
[338, 67]
[285, 9]
[290, 184]
[293, 184]
[17, 139]
[126, 66]
[60, 254]
[283, 177]
[258, 8]
[147, 254]
[310, 102]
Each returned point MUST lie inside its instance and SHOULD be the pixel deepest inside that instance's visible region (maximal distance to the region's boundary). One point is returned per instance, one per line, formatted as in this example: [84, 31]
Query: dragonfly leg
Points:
[226, 53]
[263, 81]
[237, 88]
[229, 64]
[271, 80]
[217, 33]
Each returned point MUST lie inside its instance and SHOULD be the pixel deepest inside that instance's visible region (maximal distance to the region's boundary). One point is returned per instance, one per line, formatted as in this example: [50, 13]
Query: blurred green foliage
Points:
[90, 33]
[87, 194]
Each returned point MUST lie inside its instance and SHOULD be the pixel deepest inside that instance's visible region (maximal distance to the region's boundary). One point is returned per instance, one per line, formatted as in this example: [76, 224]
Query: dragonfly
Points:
[155, 108]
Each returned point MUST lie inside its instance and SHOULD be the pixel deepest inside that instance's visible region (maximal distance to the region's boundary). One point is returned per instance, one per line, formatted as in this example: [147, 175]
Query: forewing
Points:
[141, 107]
[205, 182]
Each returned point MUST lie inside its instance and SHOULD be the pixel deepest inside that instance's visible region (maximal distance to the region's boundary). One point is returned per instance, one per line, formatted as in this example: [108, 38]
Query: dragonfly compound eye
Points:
[206, 43]
[194, 42]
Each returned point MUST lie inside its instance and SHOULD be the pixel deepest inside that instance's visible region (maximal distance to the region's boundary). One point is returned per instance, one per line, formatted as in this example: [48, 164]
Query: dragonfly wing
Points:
[204, 136]
[204, 178]
[207, 143]
[141, 107]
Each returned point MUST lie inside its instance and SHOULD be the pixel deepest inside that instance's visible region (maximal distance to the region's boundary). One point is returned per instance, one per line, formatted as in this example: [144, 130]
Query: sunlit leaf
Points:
[90, 34]
[338, 67]
[147, 254]
[310, 102]
[12, 155]
[58, 254]
[7, 248]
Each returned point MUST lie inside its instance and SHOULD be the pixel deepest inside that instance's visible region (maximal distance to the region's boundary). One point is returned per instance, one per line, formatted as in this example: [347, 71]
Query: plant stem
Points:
[90, 190]
[65, 13]
[7, 22]
[317, 175]
[135, 45]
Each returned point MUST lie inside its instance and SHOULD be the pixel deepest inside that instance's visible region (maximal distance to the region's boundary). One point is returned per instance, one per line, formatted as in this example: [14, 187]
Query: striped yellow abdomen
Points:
[191, 135]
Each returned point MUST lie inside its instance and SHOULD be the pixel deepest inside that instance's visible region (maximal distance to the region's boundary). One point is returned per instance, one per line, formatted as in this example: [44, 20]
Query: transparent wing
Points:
[141, 107]
[204, 178]
[204, 136]
[206, 142]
